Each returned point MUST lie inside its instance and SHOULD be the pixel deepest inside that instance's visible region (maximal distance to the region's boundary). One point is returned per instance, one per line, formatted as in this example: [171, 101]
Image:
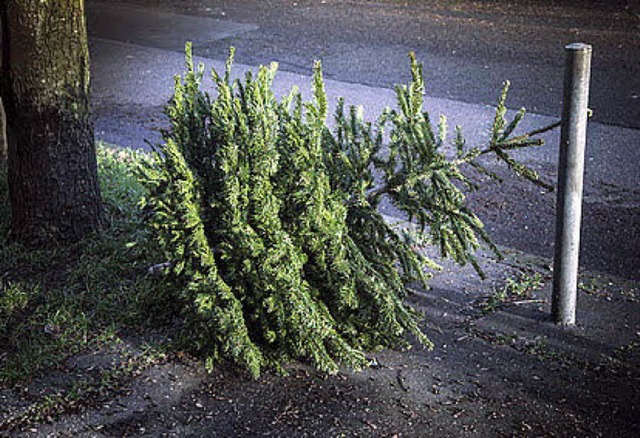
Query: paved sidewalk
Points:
[133, 76]
[133, 65]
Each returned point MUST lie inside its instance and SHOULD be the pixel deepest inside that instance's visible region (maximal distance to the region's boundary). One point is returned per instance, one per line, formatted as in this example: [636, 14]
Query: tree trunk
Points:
[3, 133]
[53, 185]
[3, 120]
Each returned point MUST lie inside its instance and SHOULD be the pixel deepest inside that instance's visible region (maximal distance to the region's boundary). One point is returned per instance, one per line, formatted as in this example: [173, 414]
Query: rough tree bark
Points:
[3, 121]
[3, 133]
[53, 185]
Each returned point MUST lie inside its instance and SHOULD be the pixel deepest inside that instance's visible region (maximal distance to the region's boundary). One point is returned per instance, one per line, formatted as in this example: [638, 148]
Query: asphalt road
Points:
[468, 48]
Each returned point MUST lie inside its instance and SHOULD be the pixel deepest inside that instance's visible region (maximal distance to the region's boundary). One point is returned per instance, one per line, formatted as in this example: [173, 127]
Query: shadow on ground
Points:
[497, 370]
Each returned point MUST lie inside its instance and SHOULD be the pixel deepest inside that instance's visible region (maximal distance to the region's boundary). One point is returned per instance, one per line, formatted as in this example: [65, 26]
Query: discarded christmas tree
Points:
[269, 219]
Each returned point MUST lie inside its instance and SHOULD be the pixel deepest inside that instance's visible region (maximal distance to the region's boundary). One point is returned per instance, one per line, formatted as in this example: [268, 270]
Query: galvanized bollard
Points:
[570, 181]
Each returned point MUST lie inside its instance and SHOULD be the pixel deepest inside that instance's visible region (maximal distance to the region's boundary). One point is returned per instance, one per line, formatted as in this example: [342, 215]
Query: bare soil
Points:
[499, 370]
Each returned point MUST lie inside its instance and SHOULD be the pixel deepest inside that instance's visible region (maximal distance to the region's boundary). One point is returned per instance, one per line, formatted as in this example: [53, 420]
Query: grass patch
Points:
[513, 290]
[58, 302]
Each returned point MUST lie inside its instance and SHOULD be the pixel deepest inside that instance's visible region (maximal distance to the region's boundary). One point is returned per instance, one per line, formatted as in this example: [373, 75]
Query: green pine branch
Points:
[270, 220]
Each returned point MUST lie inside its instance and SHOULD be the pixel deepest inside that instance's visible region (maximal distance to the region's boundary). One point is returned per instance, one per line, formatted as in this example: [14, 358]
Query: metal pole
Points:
[570, 181]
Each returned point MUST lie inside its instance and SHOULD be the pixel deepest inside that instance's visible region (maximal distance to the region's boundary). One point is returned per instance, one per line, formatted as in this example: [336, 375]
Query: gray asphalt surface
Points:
[468, 49]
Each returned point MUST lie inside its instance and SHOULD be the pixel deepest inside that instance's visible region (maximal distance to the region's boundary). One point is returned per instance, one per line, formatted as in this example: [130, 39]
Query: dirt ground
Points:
[509, 372]
[499, 368]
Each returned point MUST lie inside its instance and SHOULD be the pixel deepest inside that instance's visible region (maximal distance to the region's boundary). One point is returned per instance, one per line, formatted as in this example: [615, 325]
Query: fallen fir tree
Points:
[269, 218]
